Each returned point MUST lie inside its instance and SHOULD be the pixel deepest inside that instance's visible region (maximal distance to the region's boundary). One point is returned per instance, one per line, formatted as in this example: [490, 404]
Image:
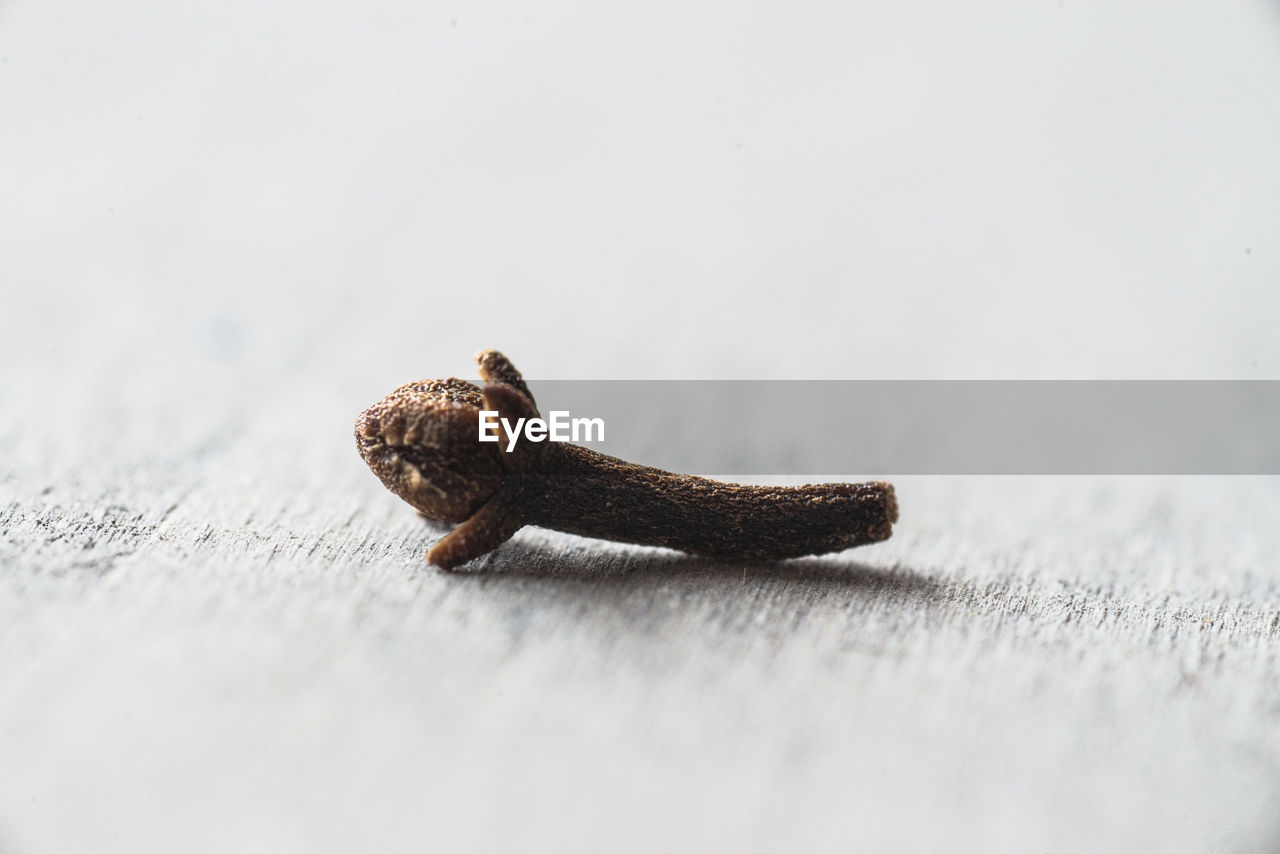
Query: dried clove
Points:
[421, 441]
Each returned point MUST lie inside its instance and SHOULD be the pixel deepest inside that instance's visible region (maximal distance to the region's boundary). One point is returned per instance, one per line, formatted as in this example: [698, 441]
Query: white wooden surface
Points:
[225, 232]
[249, 666]
[217, 632]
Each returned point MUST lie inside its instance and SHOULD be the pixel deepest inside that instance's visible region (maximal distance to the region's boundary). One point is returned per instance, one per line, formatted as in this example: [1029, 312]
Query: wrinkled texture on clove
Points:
[421, 441]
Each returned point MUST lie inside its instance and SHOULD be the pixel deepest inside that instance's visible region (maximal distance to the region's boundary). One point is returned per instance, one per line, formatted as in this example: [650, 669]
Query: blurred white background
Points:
[817, 190]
